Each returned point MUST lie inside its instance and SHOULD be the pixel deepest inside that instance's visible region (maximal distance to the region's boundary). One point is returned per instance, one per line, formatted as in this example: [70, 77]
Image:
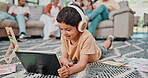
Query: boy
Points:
[78, 45]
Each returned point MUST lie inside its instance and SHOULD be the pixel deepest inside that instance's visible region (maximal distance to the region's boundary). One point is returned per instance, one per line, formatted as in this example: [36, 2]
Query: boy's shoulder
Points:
[86, 38]
[86, 34]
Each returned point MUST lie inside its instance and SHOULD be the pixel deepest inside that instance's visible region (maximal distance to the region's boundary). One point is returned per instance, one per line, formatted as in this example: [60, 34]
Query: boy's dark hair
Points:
[69, 15]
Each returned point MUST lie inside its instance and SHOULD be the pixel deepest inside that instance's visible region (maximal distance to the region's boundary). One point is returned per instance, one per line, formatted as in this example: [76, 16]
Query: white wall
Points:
[45, 2]
[6, 1]
[140, 10]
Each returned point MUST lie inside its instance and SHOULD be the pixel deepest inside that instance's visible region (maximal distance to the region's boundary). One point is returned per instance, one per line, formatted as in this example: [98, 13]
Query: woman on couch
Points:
[51, 31]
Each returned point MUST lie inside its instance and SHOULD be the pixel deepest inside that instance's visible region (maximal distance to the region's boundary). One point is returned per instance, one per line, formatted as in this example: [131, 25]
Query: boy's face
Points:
[68, 31]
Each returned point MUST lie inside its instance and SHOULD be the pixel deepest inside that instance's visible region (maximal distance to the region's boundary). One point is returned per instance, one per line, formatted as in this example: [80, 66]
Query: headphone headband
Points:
[80, 27]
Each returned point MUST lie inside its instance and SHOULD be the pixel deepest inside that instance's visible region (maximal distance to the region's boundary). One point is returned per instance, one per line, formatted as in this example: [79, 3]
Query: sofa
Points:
[34, 27]
[120, 23]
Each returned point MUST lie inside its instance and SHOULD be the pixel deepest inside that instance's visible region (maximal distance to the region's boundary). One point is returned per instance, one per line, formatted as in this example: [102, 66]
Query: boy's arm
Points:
[81, 65]
[64, 55]
[64, 59]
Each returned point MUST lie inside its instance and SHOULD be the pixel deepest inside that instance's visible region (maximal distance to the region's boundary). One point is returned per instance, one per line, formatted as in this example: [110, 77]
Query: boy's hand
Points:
[65, 62]
[63, 72]
[69, 64]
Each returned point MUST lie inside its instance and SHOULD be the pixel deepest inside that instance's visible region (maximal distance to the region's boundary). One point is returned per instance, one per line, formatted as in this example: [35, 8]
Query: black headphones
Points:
[82, 24]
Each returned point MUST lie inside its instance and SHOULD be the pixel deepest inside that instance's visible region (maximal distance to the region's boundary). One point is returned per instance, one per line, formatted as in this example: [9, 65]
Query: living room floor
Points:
[134, 48]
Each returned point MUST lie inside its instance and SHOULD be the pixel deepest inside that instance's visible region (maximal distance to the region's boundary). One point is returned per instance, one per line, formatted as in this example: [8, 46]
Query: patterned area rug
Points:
[130, 49]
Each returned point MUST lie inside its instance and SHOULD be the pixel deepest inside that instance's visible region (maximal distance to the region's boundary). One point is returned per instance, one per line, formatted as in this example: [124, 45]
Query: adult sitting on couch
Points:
[99, 12]
[49, 18]
[19, 13]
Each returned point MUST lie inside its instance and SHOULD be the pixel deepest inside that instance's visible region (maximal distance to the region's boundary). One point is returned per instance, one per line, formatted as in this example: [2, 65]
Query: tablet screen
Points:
[39, 62]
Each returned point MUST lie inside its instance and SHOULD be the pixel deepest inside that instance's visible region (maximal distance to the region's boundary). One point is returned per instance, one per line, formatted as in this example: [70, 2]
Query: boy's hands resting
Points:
[63, 72]
[70, 68]
[66, 62]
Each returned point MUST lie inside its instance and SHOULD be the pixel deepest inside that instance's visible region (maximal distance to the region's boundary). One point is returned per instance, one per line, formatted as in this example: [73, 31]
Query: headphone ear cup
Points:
[82, 26]
[83, 23]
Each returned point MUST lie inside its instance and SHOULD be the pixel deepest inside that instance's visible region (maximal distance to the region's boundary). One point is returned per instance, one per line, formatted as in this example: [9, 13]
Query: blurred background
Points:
[139, 6]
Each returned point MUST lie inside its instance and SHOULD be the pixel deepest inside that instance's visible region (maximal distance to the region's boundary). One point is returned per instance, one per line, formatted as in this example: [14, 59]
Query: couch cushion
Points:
[7, 23]
[35, 12]
[4, 7]
[32, 23]
[105, 24]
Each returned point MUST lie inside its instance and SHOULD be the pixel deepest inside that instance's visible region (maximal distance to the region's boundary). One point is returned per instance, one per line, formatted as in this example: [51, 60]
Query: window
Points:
[5, 1]
[32, 2]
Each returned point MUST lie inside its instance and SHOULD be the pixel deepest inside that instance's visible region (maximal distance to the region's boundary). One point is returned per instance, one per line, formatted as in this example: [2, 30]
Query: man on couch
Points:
[19, 13]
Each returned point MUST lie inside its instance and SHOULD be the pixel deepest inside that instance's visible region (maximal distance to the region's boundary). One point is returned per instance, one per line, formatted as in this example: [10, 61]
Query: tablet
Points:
[42, 62]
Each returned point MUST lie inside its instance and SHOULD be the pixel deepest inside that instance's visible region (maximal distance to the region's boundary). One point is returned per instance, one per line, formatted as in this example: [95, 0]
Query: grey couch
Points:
[120, 23]
[34, 27]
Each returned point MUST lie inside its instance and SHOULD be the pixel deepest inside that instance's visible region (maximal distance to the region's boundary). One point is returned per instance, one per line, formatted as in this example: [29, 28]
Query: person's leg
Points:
[88, 12]
[107, 44]
[44, 18]
[53, 32]
[2, 12]
[21, 23]
[94, 24]
[58, 32]
[47, 22]
[4, 15]
[56, 29]
[11, 17]
[100, 10]
[105, 13]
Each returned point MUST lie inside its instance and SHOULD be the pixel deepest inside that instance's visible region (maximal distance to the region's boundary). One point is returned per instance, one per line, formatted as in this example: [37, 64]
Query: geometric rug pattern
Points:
[136, 48]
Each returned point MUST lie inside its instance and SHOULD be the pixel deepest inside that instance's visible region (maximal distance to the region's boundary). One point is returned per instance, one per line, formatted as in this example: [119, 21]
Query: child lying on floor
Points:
[78, 45]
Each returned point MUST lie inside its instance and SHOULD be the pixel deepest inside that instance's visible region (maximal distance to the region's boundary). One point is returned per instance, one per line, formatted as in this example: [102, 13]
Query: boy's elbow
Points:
[77, 68]
[83, 66]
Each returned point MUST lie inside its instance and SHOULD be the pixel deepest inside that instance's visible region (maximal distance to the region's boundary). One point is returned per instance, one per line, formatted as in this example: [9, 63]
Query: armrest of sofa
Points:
[119, 11]
[123, 25]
